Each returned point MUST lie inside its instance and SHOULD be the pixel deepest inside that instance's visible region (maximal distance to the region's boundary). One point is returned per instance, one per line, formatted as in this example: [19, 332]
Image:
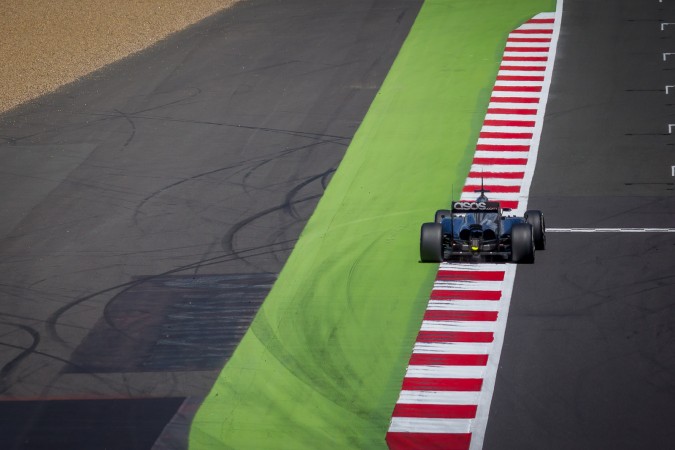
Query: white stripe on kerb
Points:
[439, 397]
[452, 348]
[417, 425]
[492, 116]
[494, 181]
[524, 94]
[445, 371]
[518, 83]
[506, 128]
[497, 168]
[525, 63]
[476, 326]
[500, 141]
[500, 154]
[536, 26]
[545, 45]
[468, 285]
[463, 305]
[519, 73]
[525, 54]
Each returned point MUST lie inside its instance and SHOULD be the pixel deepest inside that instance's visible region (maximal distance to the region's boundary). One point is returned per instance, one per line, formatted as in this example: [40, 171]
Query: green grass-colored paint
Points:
[322, 365]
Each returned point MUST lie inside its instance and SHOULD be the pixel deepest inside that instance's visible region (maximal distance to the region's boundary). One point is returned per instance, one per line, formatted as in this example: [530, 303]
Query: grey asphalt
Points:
[150, 203]
[589, 354]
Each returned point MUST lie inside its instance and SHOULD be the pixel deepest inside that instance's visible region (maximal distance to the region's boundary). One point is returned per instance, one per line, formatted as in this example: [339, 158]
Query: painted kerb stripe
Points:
[447, 390]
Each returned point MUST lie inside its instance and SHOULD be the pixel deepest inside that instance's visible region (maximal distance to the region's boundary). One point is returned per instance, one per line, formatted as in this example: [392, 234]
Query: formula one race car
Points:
[475, 230]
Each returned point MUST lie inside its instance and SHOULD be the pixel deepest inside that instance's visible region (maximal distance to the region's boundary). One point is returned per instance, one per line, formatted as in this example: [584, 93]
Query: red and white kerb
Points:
[445, 398]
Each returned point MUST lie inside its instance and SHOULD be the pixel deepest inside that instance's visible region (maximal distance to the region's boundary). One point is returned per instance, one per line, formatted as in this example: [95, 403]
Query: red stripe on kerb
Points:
[514, 100]
[526, 49]
[509, 123]
[524, 68]
[437, 314]
[428, 441]
[502, 148]
[497, 135]
[545, 31]
[455, 336]
[447, 294]
[517, 88]
[500, 161]
[523, 112]
[530, 39]
[507, 175]
[513, 204]
[424, 359]
[463, 275]
[519, 78]
[442, 384]
[493, 188]
[541, 21]
[435, 411]
[525, 58]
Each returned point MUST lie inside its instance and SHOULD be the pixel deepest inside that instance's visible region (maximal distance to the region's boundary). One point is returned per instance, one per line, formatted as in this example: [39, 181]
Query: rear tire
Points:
[536, 219]
[442, 213]
[522, 244]
[431, 243]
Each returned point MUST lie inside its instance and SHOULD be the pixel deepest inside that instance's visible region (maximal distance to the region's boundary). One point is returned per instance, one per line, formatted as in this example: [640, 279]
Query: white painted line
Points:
[506, 128]
[518, 73]
[452, 348]
[487, 267]
[498, 196]
[666, 55]
[525, 54]
[417, 425]
[445, 372]
[494, 116]
[670, 128]
[439, 397]
[668, 89]
[672, 171]
[610, 230]
[665, 24]
[525, 63]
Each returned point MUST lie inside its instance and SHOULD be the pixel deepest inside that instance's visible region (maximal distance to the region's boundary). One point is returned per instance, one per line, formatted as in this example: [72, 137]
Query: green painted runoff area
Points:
[322, 364]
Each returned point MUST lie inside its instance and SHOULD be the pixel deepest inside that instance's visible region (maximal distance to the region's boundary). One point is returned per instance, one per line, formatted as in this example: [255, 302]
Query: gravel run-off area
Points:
[46, 44]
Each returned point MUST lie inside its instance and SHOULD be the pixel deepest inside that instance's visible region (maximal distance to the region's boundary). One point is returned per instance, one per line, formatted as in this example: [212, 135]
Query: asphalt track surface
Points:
[135, 197]
[589, 358]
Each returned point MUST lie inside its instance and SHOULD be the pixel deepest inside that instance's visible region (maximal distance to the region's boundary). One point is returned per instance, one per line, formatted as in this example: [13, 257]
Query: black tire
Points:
[536, 219]
[442, 213]
[431, 243]
[522, 243]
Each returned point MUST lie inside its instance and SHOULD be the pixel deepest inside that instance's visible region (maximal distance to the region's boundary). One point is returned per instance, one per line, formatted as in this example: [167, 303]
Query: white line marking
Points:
[668, 89]
[439, 397]
[666, 55]
[445, 371]
[672, 171]
[500, 154]
[418, 425]
[500, 141]
[467, 285]
[670, 128]
[528, 94]
[518, 83]
[663, 25]
[494, 181]
[610, 230]
[496, 168]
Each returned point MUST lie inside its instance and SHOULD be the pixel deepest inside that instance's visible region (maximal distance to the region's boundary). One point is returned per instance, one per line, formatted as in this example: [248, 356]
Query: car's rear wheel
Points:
[522, 243]
[441, 213]
[431, 242]
[536, 219]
